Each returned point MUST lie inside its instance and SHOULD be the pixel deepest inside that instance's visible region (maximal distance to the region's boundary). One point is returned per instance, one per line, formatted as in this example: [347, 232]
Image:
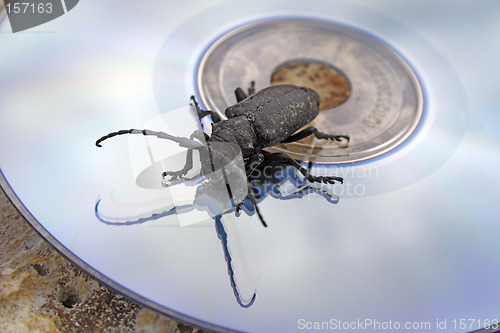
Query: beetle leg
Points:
[202, 113]
[241, 95]
[251, 89]
[284, 158]
[320, 135]
[309, 166]
[201, 136]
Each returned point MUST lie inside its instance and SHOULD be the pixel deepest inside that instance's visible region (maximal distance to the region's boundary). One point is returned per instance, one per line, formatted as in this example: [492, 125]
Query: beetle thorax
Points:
[238, 131]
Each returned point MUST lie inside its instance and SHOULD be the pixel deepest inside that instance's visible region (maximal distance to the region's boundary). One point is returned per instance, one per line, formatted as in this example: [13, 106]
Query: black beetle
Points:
[265, 118]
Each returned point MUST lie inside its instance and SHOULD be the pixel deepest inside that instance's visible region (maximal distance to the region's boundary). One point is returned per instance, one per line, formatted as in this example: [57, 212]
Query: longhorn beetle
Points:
[262, 119]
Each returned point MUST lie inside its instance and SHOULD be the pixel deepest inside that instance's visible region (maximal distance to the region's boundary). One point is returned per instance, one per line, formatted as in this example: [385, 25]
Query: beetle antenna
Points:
[183, 142]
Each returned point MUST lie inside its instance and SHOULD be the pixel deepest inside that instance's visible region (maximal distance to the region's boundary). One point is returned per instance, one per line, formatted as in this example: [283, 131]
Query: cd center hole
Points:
[331, 84]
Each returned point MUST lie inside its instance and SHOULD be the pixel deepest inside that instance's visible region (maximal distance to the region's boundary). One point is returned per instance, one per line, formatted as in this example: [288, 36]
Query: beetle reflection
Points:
[272, 177]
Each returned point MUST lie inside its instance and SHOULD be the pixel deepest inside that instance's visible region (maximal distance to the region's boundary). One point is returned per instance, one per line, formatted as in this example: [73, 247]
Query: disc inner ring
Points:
[384, 105]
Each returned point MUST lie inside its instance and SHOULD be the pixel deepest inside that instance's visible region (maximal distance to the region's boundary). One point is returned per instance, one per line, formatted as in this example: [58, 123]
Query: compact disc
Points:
[407, 241]
[382, 110]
